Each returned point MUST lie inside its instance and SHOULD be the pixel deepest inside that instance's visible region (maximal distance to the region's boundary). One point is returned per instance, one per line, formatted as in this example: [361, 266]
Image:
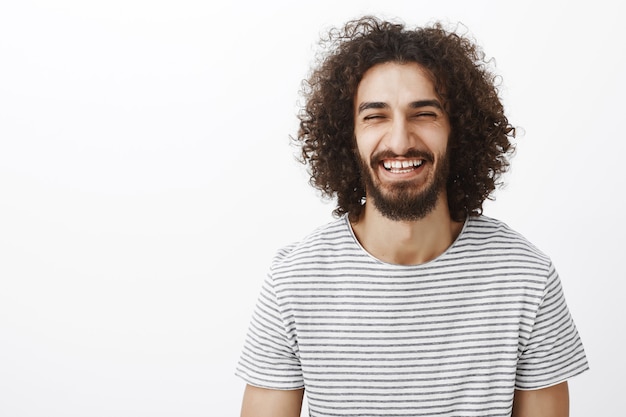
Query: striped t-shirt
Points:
[452, 337]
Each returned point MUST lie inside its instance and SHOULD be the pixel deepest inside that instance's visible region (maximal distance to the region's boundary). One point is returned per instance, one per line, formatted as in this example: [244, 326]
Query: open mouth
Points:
[399, 167]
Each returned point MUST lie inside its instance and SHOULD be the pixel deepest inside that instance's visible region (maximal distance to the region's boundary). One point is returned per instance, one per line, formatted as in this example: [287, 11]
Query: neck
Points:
[407, 242]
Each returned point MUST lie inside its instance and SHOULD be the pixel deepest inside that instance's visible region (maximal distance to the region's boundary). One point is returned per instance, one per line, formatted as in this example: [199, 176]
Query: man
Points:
[411, 302]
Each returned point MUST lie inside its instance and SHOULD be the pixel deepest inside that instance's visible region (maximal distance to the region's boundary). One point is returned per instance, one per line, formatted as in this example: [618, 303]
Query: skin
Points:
[397, 111]
[261, 402]
[547, 402]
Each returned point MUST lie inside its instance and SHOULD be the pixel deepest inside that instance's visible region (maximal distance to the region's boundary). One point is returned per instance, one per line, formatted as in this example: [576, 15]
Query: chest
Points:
[416, 326]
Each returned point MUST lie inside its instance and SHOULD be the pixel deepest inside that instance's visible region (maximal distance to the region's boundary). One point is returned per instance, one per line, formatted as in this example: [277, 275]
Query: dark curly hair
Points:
[479, 146]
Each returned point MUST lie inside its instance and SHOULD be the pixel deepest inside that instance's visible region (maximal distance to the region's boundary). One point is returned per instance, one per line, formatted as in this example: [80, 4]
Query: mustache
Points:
[410, 154]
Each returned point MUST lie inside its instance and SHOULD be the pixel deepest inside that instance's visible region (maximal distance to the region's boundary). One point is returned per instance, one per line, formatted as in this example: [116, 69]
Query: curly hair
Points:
[479, 145]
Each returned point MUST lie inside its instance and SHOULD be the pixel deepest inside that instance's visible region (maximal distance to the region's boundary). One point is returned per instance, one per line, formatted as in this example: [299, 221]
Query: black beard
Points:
[401, 203]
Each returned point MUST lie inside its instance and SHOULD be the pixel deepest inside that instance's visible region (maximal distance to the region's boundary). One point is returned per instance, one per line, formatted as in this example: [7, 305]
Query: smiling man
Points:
[412, 302]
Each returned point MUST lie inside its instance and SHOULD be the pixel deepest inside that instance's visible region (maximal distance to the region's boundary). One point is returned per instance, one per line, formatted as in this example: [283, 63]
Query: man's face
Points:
[401, 131]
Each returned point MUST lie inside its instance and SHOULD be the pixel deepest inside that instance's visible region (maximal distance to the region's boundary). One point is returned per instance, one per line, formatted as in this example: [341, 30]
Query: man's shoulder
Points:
[489, 232]
[324, 239]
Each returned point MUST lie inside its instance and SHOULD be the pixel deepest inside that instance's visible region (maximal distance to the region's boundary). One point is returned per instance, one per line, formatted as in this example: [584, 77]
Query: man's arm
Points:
[261, 402]
[547, 402]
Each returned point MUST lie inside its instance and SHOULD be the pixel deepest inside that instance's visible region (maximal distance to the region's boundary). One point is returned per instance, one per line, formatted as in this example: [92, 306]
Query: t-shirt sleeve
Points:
[554, 352]
[270, 354]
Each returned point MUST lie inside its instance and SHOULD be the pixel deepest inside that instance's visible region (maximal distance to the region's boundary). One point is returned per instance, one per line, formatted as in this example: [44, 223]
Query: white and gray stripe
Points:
[452, 337]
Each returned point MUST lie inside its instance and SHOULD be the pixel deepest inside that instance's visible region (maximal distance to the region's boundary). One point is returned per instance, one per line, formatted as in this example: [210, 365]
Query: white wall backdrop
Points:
[146, 179]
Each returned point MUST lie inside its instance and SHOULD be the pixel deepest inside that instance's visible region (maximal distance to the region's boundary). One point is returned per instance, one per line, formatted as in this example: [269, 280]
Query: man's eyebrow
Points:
[414, 105]
[372, 105]
[426, 103]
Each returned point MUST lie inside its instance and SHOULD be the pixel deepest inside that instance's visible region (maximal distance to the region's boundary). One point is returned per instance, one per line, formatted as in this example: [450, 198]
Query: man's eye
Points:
[372, 117]
[425, 114]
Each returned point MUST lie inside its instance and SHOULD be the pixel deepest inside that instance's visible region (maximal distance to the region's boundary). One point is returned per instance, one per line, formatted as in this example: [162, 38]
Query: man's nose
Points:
[399, 138]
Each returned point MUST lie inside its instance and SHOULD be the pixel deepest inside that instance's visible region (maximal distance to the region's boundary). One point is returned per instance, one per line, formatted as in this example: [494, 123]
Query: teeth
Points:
[402, 164]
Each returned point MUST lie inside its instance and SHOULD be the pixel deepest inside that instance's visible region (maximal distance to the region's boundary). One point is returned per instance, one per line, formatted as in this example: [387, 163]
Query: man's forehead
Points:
[417, 86]
[409, 82]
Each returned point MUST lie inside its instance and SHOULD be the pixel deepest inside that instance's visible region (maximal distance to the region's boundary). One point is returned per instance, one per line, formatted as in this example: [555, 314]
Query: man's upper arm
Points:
[262, 402]
[546, 402]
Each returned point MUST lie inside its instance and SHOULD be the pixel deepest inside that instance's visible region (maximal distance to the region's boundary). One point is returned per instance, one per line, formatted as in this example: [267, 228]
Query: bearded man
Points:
[411, 302]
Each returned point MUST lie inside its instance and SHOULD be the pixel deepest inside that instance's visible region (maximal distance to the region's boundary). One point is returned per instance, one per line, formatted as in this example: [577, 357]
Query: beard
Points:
[403, 200]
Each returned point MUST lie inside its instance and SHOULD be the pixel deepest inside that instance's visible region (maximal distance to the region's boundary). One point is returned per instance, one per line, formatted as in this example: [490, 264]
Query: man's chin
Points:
[404, 200]
[406, 208]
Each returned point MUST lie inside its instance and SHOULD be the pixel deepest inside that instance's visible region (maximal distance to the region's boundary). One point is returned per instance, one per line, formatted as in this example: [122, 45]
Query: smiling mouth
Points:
[404, 166]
